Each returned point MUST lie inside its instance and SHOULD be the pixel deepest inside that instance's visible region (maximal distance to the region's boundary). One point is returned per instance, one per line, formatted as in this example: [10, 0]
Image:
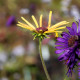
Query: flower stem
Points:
[43, 63]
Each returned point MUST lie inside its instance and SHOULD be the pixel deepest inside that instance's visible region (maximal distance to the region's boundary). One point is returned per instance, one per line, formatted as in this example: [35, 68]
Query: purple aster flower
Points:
[69, 47]
[11, 21]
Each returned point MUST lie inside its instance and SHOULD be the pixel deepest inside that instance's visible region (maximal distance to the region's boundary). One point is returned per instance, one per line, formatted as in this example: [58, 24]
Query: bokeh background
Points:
[19, 53]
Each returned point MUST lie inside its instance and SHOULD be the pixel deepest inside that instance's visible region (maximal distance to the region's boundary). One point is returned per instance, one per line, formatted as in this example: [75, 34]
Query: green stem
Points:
[43, 63]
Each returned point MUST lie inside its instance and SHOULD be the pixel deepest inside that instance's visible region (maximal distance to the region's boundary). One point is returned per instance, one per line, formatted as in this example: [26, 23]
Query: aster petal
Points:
[74, 26]
[79, 27]
[59, 43]
[72, 56]
[78, 52]
[79, 74]
[68, 62]
[66, 42]
[65, 35]
[71, 31]
[61, 39]
[61, 47]
[69, 72]
[59, 51]
[62, 57]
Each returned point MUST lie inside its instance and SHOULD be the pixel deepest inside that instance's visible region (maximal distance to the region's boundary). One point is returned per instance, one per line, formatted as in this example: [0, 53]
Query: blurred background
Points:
[19, 53]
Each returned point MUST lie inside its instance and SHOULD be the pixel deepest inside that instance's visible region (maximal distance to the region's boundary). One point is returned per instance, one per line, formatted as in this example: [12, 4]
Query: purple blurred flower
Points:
[32, 8]
[68, 45]
[11, 21]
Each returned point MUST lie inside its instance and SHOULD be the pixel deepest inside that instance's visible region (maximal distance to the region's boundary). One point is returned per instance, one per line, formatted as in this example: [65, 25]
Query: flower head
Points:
[69, 46]
[39, 30]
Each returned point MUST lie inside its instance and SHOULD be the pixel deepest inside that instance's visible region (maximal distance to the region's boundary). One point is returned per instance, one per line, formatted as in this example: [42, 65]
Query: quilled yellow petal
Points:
[59, 31]
[52, 31]
[60, 28]
[40, 20]
[25, 26]
[35, 21]
[49, 22]
[28, 22]
[59, 24]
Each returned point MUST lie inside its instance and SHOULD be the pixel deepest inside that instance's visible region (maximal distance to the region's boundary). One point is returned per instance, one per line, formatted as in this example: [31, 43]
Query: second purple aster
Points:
[69, 47]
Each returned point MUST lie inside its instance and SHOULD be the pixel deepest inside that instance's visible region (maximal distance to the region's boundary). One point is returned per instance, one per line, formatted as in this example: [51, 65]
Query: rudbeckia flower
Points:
[39, 30]
[69, 47]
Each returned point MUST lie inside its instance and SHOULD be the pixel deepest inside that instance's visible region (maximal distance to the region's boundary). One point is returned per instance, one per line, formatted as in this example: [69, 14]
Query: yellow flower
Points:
[39, 29]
